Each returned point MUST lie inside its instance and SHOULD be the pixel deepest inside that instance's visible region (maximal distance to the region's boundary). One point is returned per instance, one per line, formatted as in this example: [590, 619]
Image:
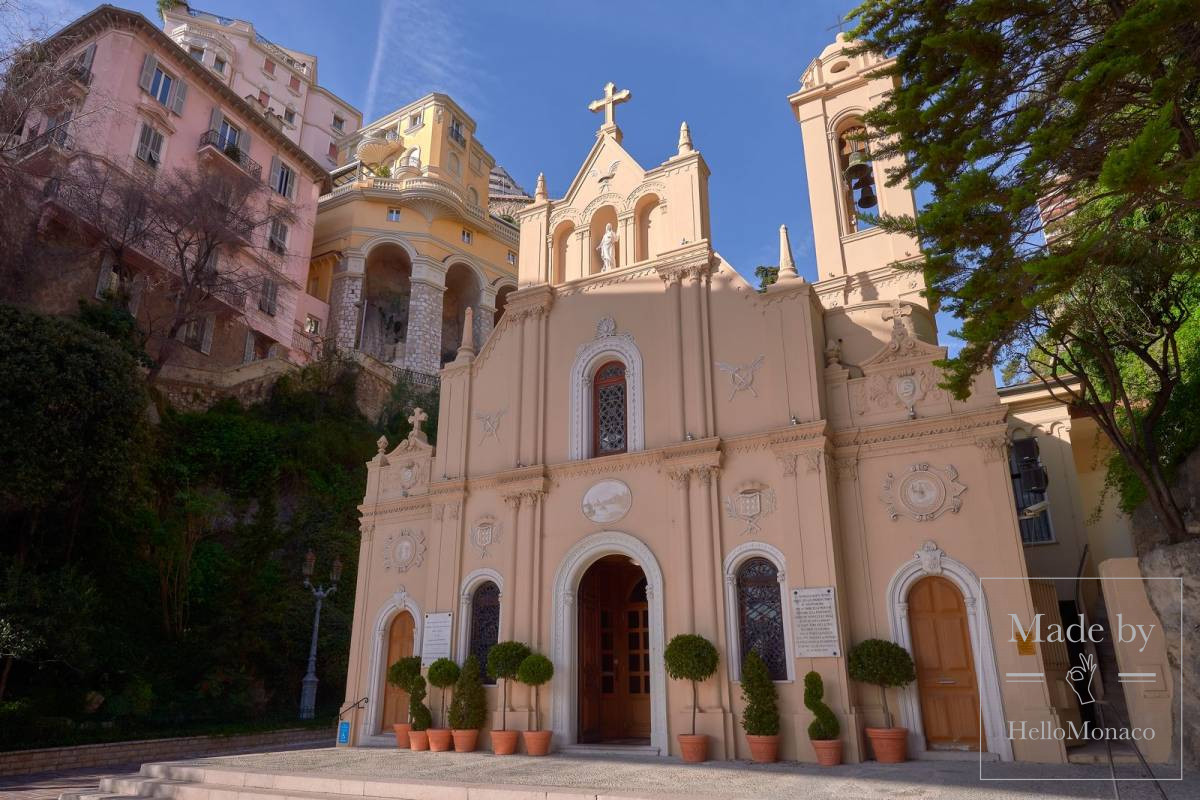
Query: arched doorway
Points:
[399, 645]
[614, 653]
[386, 303]
[941, 639]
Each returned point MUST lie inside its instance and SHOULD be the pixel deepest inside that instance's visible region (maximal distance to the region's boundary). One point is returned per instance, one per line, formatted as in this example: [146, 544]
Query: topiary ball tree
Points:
[884, 664]
[761, 717]
[402, 673]
[690, 657]
[825, 726]
[442, 674]
[503, 661]
[534, 671]
[418, 712]
[468, 707]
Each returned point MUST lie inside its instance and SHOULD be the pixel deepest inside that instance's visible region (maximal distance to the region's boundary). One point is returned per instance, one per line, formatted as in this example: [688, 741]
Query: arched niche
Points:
[604, 216]
[462, 290]
[649, 227]
[386, 295]
[565, 250]
[502, 302]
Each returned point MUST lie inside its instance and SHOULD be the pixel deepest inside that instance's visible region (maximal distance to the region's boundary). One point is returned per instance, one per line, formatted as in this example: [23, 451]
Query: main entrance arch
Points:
[564, 637]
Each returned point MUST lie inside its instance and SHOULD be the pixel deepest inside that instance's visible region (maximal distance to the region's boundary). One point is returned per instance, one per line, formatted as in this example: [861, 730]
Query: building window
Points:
[414, 120]
[760, 615]
[289, 116]
[609, 417]
[228, 135]
[467, 236]
[485, 624]
[150, 143]
[219, 64]
[454, 164]
[198, 333]
[197, 53]
[294, 84]
[283, 178]
[312, 325]
[473, 196]
[160, 86]
[339, 124]
[1029, 491]
[456, 131]
[263, 97]
[393, 215]
[512, 258]
[333, 151]
[277, 240]
[267, 296]
[269, 67]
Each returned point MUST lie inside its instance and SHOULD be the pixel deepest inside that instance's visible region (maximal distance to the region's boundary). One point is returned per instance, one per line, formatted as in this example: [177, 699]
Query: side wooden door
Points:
[400, 645]
[937, 618]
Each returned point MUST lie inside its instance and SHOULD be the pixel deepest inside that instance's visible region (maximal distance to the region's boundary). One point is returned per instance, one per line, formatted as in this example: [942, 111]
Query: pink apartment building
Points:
[140, 103]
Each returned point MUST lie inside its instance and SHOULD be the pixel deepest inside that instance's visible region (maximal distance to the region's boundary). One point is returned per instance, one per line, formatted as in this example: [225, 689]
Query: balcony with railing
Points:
[211, 140]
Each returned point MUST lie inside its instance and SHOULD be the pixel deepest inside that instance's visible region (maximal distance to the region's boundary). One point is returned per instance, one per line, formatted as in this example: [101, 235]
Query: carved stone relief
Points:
[490, 424]
[404, 550]
[750, 504]
[923, 492]
[741, 376]
[485, 533]
[607, 501]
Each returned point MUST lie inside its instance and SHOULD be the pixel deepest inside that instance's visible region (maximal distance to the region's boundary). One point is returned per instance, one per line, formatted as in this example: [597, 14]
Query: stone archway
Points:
[932, 560]
[564, 636]
[377, 675]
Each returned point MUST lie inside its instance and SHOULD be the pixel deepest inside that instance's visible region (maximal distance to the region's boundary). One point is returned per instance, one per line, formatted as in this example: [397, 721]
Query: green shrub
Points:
[468, 708]
[884, 664]
[503, 661]
[693, 658]
[761, 717]
[418, 712]
[534, 671]
[825, 726]
[403, 671]
[442, 674]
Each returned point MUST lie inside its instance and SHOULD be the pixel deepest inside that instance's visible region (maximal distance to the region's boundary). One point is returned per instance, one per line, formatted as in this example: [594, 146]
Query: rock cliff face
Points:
[1157, 558]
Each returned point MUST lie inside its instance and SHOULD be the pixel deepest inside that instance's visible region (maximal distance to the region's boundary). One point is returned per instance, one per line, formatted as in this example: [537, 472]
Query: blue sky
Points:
[526, 71]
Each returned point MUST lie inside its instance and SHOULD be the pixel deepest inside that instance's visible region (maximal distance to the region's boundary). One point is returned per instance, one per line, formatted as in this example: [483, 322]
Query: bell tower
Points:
[844, 178]
[856, 279]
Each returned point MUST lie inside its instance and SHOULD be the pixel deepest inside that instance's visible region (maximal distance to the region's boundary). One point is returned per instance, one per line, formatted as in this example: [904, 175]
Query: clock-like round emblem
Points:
[404, 550]
[922, 491]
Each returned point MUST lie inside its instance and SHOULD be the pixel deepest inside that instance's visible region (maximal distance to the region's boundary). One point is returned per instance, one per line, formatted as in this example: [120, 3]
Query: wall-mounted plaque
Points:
[435, 638]
[814, 618]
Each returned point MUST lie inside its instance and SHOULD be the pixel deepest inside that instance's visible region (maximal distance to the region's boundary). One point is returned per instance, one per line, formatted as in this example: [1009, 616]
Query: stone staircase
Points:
[1116, 713]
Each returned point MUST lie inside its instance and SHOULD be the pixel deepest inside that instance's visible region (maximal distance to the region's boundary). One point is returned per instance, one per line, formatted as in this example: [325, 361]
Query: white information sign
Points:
[435, 639]
[814, 616]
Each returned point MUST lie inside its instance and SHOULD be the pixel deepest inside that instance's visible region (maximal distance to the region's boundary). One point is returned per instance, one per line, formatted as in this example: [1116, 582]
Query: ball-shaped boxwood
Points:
[884, 664]
[692, 658]
[534, 671]
[442, 674]
[503, 661]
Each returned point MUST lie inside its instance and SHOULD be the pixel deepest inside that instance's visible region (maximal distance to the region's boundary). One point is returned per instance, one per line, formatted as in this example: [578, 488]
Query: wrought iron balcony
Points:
[232, 152]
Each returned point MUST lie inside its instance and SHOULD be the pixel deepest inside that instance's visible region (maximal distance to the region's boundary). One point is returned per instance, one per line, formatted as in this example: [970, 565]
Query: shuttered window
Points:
[150, 144]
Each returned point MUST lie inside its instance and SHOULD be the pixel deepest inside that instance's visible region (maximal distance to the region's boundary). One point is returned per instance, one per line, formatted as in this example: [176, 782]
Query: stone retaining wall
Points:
[53, 759]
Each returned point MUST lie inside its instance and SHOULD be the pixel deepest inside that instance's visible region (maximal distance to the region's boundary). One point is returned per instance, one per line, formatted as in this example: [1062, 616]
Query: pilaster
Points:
[423, 341]
[346, 301]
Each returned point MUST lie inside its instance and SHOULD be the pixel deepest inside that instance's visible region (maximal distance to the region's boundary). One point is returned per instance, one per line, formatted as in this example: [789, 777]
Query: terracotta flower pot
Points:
[465, 741]
[402, 729]
[693, 747]
[504, 743]
[419, 740]
[829, 752]
[439, 739]
[537, 743]
[764, 749]
[890, 744]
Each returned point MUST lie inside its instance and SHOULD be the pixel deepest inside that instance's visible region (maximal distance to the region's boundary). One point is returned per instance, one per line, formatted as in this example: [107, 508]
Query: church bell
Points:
[868, 199]
[858, 167]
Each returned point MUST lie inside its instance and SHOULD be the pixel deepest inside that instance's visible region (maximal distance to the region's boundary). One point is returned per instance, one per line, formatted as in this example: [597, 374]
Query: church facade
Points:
[647, 445]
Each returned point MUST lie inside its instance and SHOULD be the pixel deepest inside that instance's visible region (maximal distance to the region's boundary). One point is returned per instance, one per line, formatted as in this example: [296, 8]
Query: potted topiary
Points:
[442, 674]
[884, 664]
[468, 709]
[418, 712]
[760, 720]
[534, 671]
[692, 658]
[824, 730]
[400, 675]
[503, 661]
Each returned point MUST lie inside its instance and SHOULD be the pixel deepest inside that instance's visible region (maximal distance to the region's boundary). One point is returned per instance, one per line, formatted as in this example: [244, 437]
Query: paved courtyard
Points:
[594, 776]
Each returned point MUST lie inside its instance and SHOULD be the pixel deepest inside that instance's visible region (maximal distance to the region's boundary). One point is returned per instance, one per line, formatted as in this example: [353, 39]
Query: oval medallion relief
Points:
[607, 501]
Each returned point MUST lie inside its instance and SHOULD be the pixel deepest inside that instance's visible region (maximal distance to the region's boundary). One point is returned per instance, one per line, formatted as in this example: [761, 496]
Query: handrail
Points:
[232, 152]
[352, 706]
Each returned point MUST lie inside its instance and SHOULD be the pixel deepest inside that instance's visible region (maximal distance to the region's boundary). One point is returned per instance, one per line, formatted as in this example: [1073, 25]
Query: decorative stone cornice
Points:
[948, 430]
[693, 260]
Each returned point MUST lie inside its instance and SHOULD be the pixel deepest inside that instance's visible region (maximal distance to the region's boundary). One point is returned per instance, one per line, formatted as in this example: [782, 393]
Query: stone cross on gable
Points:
[415, 419]
[899, 315]
[609, 102]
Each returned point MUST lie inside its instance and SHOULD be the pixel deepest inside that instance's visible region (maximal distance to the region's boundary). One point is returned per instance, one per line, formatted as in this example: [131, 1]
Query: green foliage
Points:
[766, 275]
[1082, 114]
[418, 712]
[468, 709]
[442, 674]
[825, 725]
[761, 717]
[383, 171]
[535, 670]
[882, 663]
[693, 658]
[406, 395]
[403, 671]
[110, 318]
[503, 661]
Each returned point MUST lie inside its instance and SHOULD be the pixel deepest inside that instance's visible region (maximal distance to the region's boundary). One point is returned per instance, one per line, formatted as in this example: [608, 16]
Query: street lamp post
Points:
[308, 691]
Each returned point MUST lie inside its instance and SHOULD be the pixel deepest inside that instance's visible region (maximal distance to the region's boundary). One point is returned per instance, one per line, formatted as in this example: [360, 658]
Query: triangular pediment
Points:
[904, 346]
[607, 169]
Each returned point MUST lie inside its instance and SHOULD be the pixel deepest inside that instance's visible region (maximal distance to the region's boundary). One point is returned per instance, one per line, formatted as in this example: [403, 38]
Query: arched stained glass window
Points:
[609, 413]
[485, 624]
[760, 615]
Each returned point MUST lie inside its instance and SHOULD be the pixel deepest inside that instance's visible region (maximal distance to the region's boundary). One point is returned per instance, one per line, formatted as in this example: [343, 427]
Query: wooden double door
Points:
[399, 645]
[942, 651]
[614, 653]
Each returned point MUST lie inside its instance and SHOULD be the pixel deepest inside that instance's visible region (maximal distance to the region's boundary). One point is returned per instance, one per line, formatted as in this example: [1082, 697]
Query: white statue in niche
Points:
[608, 248]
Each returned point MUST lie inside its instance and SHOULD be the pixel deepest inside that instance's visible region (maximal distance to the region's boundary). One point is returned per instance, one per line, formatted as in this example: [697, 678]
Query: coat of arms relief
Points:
[750, 503]
[404, 550]
[485, 533]
[924, 492]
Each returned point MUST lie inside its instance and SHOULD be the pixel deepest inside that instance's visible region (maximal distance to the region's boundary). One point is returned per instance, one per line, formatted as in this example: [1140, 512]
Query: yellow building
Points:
[405, 242]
